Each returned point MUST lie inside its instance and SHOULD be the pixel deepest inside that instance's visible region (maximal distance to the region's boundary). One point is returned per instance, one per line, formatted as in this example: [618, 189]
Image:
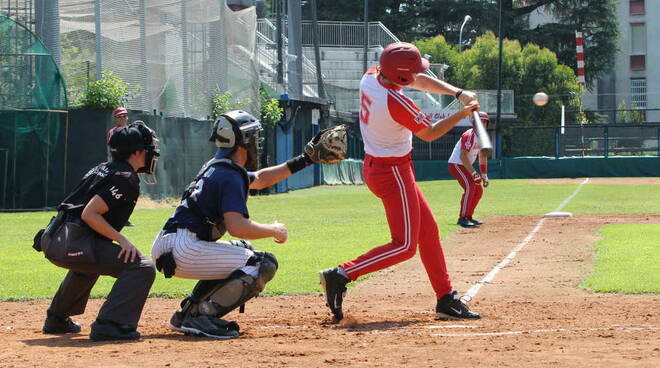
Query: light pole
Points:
[460, 34]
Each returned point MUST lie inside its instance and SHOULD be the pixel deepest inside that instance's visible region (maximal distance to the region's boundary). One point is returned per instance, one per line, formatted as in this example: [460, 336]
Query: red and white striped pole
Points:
[579, 48]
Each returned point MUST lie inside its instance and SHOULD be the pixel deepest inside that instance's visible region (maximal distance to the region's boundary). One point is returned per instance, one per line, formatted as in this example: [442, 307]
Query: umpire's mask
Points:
[238, 128]
[134, 137]
[148, 171]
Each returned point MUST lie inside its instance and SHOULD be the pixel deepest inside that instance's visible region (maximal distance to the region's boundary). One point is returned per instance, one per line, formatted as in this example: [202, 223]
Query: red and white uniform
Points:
[472, 191]
[387, 121]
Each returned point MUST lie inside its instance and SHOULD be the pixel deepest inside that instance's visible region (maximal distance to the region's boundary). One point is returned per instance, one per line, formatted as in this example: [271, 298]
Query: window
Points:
[638, 39]
[638, 46]
[638, 93]
[636, 7]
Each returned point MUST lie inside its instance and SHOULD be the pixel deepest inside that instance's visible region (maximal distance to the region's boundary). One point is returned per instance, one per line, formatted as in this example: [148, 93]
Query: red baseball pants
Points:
[471, 191]
[410, 219]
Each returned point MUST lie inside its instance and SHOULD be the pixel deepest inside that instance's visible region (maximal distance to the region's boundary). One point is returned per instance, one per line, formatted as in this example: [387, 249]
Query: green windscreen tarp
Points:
[32, 111]
[348, 171]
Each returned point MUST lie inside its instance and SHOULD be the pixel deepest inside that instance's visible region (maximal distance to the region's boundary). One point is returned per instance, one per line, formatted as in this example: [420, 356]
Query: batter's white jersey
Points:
[388, 119]
[469, 142]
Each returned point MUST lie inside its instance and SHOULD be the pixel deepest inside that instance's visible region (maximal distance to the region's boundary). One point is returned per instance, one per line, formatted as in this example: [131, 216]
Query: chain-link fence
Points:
[174, 54]
[582, 140]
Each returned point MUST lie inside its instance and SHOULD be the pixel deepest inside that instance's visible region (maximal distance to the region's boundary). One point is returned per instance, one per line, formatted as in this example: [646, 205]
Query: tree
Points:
[526, 69]
[415, 19]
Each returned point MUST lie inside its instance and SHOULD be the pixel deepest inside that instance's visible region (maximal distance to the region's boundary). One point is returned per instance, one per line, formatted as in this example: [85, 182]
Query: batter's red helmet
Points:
[401, 61]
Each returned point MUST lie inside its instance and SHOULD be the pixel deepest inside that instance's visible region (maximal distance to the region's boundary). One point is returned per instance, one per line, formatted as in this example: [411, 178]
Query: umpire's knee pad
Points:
[240, 287]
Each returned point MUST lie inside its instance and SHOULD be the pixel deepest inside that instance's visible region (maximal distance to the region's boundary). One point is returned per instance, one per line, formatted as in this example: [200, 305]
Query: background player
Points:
[388, 120]
[85, 238]
[461, 167]
[230, 272]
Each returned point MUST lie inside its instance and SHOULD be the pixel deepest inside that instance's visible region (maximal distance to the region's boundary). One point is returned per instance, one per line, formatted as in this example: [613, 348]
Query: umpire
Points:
[85, 238]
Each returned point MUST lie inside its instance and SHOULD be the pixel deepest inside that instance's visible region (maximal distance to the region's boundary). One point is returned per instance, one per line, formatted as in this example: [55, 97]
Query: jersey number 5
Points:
[365, 103]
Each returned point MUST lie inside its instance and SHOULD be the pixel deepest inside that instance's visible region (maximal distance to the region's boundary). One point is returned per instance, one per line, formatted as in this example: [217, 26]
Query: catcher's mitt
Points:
[328, 146]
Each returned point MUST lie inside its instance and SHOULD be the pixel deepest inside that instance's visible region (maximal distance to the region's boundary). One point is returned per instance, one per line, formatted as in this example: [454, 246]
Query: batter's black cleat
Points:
[208, 326]
[465, 222]
[57, 325]
[476, 222]
[110, 331]
[334, 285]
[452, 307]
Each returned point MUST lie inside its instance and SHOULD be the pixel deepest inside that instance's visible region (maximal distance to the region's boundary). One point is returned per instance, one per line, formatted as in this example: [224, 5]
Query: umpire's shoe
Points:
[209, 326]
[450, 306]
[334, 285]
[57, 325]
[110, 331]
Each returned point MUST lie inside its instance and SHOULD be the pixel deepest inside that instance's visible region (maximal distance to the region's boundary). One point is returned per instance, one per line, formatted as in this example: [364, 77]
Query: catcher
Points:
[230, 272]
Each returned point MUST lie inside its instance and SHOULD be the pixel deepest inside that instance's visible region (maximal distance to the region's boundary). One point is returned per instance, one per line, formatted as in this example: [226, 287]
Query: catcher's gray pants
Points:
[126, 299]
[202, 260]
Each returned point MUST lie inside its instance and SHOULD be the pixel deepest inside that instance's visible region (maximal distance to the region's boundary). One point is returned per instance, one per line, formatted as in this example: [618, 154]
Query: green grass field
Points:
[326, 225]
[627, 259]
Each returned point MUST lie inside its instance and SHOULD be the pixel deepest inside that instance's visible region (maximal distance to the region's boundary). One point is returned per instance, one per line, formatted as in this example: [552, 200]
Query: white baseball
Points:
[540, 99]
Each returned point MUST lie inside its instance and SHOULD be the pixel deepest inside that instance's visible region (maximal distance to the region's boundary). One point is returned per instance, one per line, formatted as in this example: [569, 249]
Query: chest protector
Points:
[216, 229]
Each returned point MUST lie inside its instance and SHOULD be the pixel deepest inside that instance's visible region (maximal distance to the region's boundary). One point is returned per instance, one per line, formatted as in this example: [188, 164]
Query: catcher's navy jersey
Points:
[220, 190]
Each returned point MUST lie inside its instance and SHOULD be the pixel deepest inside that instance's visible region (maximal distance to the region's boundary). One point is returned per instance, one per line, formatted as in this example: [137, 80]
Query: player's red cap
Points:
[401, 61]
[119, 111]
[484, 115]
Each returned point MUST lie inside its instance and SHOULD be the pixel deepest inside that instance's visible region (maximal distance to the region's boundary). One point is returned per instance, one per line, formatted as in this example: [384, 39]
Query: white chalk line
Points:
[548, 330]
[472, 292]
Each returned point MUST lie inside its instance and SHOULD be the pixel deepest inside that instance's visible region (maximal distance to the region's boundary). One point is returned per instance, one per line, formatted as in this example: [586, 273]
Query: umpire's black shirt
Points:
[116, 183]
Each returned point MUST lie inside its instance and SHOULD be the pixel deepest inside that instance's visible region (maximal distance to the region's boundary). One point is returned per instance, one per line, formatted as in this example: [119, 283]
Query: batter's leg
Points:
[430, 249]
[397, 190]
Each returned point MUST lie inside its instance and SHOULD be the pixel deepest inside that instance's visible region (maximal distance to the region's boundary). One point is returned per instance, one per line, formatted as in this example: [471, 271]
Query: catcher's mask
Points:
[134, 137]
[238, 128]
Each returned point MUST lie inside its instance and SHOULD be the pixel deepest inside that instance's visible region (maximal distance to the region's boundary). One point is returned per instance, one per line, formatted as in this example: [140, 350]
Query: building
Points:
[635, 81]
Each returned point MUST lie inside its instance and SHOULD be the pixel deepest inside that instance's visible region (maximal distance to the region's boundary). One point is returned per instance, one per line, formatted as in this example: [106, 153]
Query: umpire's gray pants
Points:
[126, 299]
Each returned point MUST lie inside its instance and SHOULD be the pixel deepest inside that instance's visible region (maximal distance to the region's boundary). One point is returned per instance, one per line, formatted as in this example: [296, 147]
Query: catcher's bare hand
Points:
[466, 97]
[279, 232]
[328, 146]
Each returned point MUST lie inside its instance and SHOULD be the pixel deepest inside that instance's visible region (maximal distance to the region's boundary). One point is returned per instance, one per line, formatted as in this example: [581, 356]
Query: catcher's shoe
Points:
[474, 221]
[451, 306]
[465, 222]
[176, 321]
[110, 331]
[58, 325]
[334, 285]
[209, 326]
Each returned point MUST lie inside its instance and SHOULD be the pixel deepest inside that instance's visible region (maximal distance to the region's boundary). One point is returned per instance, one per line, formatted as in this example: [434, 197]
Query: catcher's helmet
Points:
[401, 61]
[237, 128]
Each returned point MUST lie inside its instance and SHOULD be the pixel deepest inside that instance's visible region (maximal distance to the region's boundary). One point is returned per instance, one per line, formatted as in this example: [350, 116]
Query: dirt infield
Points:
[534, 315]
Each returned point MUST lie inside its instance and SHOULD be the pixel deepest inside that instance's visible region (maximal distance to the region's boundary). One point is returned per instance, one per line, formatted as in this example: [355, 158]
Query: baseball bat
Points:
[482, 134]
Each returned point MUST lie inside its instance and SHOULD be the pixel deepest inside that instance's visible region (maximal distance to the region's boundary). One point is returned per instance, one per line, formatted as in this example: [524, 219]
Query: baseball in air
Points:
[540, 99]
